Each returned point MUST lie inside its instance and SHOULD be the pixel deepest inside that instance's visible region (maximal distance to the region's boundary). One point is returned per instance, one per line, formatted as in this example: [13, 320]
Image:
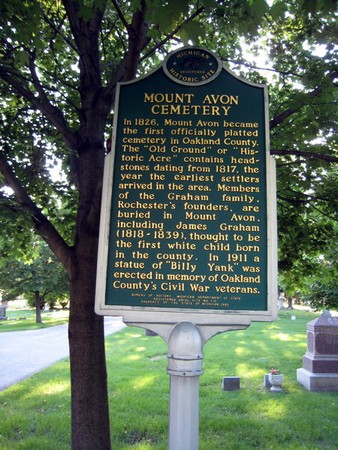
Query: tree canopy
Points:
[46, 66]
[59, 65]
[40, 280]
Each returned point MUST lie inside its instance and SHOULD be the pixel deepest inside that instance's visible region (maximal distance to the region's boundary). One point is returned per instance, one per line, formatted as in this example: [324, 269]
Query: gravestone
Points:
[231, 383]
[3, 312]
[266, 381]
[320, 362]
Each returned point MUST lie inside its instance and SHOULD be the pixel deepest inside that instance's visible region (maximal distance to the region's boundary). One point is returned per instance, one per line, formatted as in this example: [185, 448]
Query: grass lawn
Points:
[35, 414]
[20, 319]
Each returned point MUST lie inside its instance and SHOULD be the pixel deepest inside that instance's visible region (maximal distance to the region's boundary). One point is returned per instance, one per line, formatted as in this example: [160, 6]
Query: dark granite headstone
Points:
[3, 313]
[266, 381]
[320, 362]
[230, 383]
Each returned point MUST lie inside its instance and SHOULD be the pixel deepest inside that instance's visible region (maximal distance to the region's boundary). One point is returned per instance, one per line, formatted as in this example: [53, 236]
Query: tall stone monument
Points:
[320, 362]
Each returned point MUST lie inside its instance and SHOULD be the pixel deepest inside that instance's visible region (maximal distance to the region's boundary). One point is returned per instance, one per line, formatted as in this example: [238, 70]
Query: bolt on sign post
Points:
[188, 224]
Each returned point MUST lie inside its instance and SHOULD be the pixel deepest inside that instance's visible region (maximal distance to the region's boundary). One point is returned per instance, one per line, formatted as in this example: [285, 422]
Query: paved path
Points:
[23, 353]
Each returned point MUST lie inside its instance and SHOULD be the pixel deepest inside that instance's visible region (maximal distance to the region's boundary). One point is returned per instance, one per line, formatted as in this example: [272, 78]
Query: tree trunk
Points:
[290, 301]
[38, 318]
[90, 412]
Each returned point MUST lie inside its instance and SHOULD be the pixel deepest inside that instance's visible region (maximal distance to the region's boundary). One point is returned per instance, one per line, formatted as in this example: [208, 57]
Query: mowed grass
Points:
[35, 414]
[25, 319]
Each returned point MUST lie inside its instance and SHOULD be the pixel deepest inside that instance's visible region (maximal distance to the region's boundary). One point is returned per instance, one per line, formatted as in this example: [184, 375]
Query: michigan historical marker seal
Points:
[192, 66]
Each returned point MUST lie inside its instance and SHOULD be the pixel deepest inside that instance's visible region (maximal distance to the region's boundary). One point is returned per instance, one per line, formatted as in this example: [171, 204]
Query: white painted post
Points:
[185, 354]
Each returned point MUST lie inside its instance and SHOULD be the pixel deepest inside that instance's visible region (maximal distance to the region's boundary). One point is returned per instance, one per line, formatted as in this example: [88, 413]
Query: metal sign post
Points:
[185, 355]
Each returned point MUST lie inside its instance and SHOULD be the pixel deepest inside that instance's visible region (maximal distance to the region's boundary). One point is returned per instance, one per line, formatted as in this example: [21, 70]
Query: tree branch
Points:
[305, 154]
[42, 225]
[137, 41]
[263, 69]
[172, 34]
[324, 214]
[57, 30]
[288, 112]
[86, 36]
[120, 14]
[137, 33]
[40, 103]
[293, 201]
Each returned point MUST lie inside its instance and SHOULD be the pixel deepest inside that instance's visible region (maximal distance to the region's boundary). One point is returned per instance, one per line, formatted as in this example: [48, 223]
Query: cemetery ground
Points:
[21, 317]
[35, 413]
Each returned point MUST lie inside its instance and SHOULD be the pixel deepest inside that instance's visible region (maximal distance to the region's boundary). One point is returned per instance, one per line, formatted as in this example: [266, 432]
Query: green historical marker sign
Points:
[188, 215]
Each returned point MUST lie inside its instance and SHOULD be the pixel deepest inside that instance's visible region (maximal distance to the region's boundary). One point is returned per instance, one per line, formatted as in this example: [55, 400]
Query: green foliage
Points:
[303, 136]
[167, 15]
[190, 32]
[40, 277]
[323, 296]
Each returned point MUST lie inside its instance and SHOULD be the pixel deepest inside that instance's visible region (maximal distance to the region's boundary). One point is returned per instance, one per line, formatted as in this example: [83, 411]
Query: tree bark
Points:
[290, 301]
[37, 307]
[90, 412]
